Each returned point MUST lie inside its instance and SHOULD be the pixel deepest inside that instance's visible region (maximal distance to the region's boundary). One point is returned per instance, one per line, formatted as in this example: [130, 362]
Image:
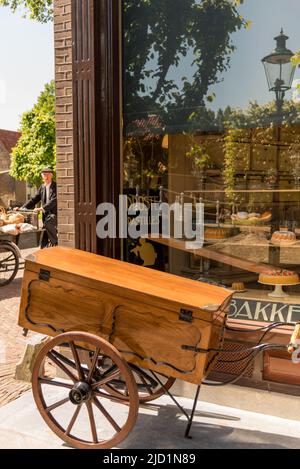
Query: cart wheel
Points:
[148, 387]
[9, 263]
[67, 404]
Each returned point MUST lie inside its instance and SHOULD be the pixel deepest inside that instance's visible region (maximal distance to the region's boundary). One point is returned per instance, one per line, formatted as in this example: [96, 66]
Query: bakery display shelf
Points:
[263, 295]
[259, 228]
[244, 191]
[264, 243]
[227, 259]
[227, 280]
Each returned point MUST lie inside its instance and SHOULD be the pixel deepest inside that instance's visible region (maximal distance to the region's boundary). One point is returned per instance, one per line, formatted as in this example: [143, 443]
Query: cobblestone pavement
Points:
[12, 342]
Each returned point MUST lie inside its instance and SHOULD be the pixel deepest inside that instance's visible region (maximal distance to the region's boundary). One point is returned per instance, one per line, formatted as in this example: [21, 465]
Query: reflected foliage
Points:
[189, 39]
[39, 10]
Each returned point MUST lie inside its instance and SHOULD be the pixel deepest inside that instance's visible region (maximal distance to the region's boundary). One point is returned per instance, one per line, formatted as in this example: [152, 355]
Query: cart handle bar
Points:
[28, 212]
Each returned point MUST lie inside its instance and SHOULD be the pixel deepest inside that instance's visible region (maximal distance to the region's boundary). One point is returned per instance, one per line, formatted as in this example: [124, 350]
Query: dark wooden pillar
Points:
[97, 116]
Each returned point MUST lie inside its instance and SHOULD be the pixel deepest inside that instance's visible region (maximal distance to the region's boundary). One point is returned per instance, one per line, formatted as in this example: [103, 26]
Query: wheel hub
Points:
[81, 393]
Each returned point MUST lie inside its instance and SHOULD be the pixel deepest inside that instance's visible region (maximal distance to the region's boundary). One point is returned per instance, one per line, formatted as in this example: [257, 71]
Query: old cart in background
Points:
[11, 245]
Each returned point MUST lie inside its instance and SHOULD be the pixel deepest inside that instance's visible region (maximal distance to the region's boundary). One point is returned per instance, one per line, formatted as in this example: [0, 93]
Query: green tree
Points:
[36, 147]
[40, 10]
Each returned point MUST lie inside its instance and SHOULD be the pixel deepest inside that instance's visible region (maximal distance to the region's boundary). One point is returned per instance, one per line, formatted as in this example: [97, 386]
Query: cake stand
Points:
[278, 292]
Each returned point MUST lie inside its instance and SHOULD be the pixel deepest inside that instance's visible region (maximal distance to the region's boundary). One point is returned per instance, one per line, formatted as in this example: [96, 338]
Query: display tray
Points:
[251, 223]
[252, 294]
[285, 245]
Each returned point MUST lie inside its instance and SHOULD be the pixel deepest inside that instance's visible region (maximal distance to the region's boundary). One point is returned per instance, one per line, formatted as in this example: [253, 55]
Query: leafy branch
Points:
[40, 10]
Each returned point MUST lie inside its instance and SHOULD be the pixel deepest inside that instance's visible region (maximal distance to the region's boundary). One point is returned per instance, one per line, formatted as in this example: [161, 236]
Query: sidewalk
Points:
[12, 342]
[159, 425]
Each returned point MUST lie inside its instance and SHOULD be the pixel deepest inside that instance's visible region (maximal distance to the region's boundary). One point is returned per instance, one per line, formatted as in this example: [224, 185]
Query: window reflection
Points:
[201, 119]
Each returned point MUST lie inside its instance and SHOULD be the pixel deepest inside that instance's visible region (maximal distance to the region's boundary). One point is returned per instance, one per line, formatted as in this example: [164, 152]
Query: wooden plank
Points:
[136, 279]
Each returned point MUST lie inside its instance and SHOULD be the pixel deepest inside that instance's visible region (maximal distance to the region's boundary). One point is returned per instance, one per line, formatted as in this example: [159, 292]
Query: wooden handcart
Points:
[120, 333]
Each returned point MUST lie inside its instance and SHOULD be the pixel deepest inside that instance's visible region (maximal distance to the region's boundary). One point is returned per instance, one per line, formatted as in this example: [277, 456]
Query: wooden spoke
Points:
[55, 383]
[112, 397]
[73, 420]
[106, 415]
[62, 366]
[56, 405]
[85, 435]
[67, 361]
[92, 422]
[9, 264]
[93, 365]
[147, 385]
[106, 380]
[77, 361]
[148, 388]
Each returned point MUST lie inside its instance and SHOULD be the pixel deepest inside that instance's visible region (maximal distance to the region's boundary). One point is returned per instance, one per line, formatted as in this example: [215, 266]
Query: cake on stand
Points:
[279, 278]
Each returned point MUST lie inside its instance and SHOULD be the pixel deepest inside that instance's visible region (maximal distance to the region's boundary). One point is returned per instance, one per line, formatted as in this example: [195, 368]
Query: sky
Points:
[27, 63]
[246, 80]
[27, 58]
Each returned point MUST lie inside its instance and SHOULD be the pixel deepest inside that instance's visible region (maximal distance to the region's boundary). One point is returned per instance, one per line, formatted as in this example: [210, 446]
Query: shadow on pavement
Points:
[13, 290]
[166, 431]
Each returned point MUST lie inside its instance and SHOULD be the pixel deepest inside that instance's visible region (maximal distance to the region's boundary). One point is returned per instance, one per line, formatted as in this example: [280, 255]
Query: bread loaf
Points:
[15, 218]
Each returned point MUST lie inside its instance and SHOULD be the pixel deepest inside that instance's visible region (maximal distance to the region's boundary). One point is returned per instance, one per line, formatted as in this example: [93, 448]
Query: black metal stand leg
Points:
[170, 395]
[191, 418]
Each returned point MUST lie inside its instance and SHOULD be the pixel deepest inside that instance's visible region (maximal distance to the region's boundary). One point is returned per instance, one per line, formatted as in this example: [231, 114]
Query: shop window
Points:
[212, 114]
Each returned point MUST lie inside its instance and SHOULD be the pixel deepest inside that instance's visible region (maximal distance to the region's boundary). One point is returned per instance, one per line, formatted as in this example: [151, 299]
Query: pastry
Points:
[283, 238]
[238, 286]
[215, 233]
[12, 219]
[266, 215]
[252, 218]
[219, 233]
[279, 277]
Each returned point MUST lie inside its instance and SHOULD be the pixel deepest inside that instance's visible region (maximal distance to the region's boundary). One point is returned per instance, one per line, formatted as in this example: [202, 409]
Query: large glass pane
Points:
[201, 124]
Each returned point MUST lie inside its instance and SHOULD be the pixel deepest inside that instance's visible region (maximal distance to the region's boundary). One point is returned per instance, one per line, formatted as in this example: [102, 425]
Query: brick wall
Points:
[4, 158]
[64, 121]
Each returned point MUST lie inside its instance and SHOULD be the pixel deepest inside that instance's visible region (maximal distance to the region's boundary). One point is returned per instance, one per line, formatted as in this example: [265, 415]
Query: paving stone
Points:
[12, 341]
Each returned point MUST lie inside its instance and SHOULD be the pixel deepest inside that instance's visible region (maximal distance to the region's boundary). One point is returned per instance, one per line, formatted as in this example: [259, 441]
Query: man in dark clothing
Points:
[47, 196]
